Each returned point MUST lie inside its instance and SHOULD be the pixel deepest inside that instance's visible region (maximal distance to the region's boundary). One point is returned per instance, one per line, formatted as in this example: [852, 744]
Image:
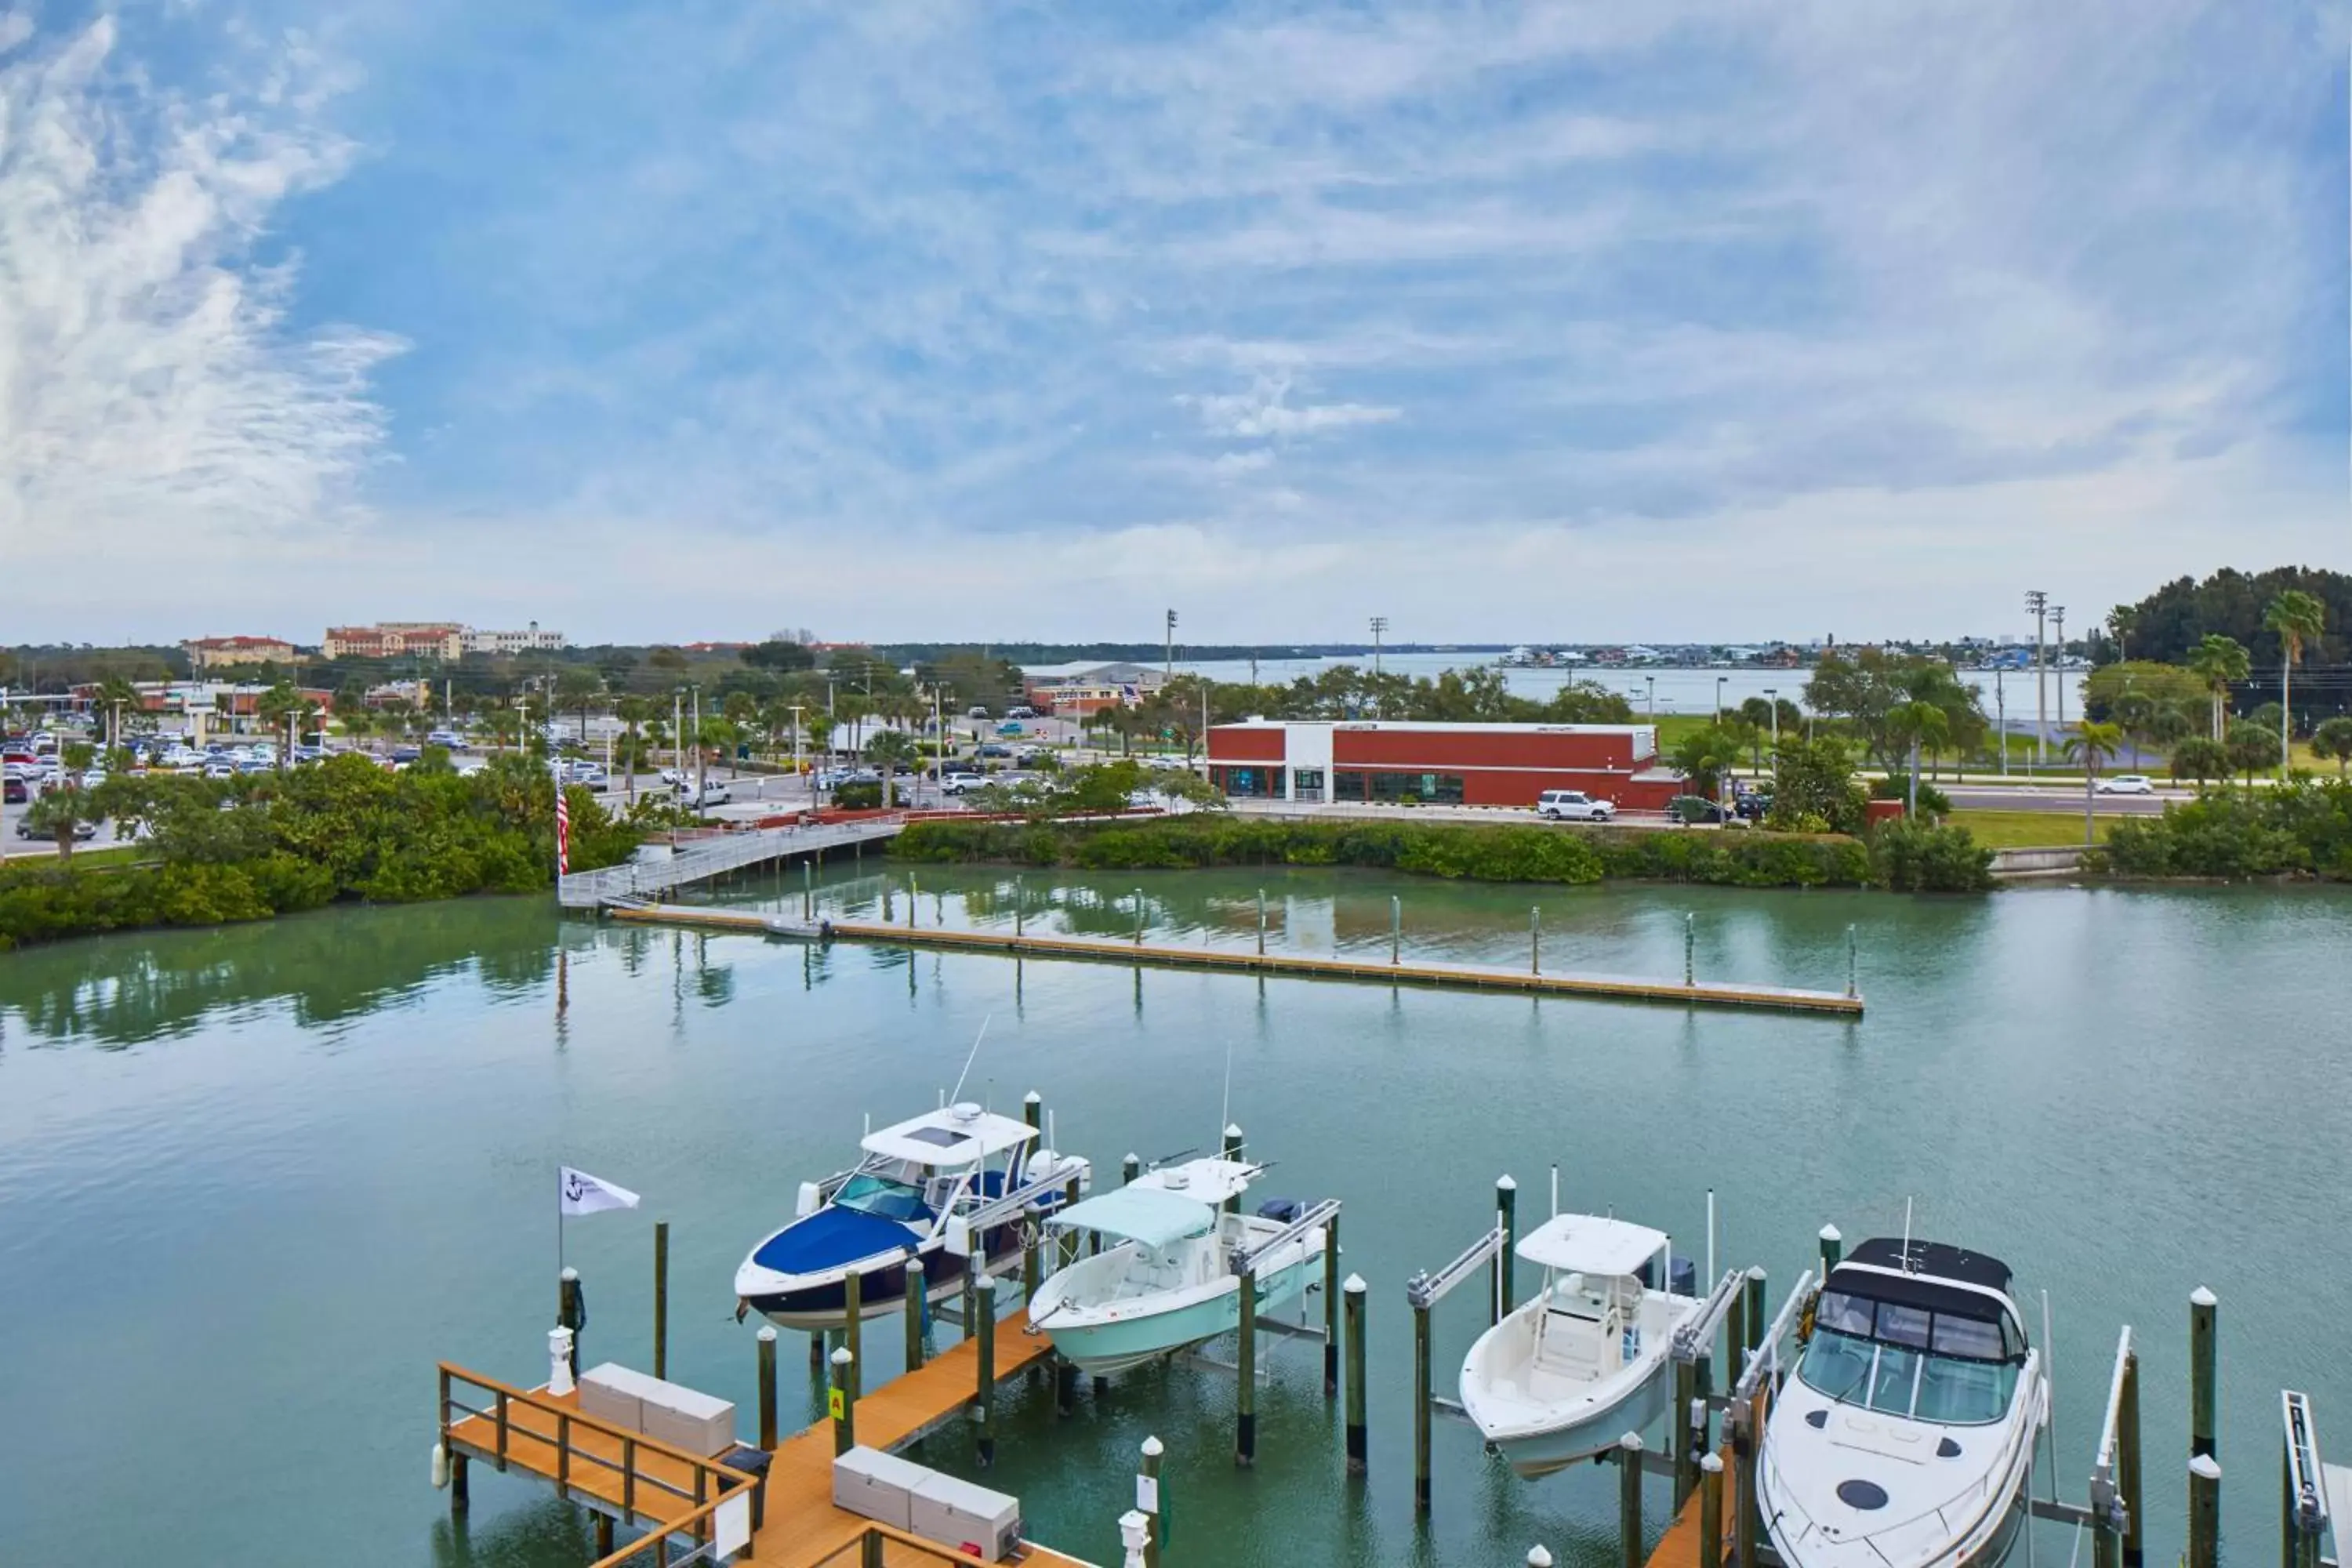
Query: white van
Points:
[1573, 806]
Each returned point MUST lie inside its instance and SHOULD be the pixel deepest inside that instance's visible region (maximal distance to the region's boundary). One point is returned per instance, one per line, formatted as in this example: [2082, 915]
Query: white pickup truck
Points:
[1573, 806]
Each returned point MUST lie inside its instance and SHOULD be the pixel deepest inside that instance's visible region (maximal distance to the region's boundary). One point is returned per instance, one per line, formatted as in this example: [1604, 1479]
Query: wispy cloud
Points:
[153, 399]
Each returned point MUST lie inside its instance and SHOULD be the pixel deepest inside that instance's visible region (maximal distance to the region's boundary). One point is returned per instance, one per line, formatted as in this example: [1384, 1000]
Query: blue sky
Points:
[1573, 322]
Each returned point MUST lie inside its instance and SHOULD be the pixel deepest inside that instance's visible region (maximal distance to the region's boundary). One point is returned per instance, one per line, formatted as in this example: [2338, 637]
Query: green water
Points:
[255, 1181]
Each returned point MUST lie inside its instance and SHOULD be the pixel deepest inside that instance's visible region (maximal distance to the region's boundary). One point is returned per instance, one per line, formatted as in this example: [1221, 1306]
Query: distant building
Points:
[714, 646]
[203, 707]
[396, 640]
[532, 640]
[1079, 689]
[1452, 765]
[220, 653]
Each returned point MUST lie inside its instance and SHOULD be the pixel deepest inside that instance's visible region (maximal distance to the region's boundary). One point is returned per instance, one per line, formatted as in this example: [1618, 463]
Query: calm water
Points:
[253, 1183]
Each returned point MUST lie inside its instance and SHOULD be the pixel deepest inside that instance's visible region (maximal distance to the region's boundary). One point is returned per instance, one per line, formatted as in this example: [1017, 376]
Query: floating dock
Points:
[641, 1483]
[1287, 965]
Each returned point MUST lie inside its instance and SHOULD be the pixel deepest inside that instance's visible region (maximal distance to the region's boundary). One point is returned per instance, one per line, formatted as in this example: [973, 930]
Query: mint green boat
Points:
[1163, 1279]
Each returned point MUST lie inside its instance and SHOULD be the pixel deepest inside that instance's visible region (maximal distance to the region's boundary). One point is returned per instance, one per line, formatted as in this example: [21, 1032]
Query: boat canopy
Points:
[958, 1135]
[1151, 1215]
[1208, 1180]
[1589, 1244]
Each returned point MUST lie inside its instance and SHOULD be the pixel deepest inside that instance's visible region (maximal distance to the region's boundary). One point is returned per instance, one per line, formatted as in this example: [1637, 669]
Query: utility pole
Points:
[697, 748]
[2058, 636]
[2038, 603]
[1168, 665]
[2000, 722]
[677, 732]
[1379, 625]
[1650, 685]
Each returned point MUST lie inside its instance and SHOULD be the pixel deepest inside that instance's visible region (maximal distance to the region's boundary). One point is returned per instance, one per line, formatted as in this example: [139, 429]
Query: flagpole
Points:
[559, 1222]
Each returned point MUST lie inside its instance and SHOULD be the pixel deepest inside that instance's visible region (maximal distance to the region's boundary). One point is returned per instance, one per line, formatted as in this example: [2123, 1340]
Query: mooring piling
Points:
[808, 889]
[2128, 1462]
[1534, 938]
[1420, 1406]
[1710, 1511]
[1129, 1169]
[2204, 1511]
[918, 1305]
[2202, 1369]
[1832, 1249]
[1331, 1308]
[1690, 950]
[1232, 1151]
[661, 1298]
[1852, 978]
[852, 1319]
[841, 1399]
[1506, 1214]
[766, 1338]
[983, 1410]
[1629, 1499]
[1261, 922]
[1245, 1402]
[1033, 1111]
[570, 1310]
[1685, 1431]
[1755, 1320]
[1353, 1294]
[1396, 928]
[1139, 917]
[1148, 1500]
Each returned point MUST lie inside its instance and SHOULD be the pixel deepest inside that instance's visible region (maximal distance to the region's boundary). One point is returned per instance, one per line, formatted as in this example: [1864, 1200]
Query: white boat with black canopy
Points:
[1905, 1440]
[1565, 1374]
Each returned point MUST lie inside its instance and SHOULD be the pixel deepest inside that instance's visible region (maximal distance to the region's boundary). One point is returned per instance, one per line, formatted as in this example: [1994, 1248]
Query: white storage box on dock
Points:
[613, 1394]
[877, 1486]
[965, 1517]
[686, 1418]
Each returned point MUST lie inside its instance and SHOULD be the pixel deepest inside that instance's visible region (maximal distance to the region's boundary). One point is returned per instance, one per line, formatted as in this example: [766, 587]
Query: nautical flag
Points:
[585, 1194]
[562, 833]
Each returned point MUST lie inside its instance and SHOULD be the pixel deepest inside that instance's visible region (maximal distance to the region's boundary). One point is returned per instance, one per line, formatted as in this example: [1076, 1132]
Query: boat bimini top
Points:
[1208, 1180]
[1589, 1244]
[954, 1136]
[1152, 1217]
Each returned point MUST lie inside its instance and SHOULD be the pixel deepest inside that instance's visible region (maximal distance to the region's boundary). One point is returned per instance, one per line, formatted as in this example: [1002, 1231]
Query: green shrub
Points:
[857, 796]
[1917, 858]
[2302, 828]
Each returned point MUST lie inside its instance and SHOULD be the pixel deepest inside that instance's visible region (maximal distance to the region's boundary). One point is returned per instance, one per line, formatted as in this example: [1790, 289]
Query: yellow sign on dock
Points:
[833, 1403]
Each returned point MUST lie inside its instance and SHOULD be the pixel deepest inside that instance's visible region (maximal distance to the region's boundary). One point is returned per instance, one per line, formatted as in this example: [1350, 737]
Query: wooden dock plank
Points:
[1417, 972]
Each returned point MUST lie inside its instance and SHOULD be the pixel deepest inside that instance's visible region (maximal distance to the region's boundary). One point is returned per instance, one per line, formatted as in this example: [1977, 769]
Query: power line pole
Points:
[1380, 625]
[1168, 663]
[2038, 603]
[2058, 634]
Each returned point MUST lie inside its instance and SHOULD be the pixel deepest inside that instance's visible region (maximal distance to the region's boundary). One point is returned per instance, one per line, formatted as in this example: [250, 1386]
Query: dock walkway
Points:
[716, 854]
[647, 1483]
[1298, 965]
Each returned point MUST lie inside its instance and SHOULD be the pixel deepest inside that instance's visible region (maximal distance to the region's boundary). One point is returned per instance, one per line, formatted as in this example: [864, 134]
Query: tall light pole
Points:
[1379, 625]
[2058, 636]
[2000, 721]
[1718, 697]
[1772, 695]
[1168, 661]
[1650, 685]
[2038, 603]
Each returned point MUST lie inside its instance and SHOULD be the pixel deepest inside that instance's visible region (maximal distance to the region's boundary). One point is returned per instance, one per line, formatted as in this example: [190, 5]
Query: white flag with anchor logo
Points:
[585, 1194]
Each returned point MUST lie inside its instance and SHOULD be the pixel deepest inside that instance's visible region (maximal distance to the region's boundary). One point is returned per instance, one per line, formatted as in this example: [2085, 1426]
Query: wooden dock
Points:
[648, 1485]
[1287, 965]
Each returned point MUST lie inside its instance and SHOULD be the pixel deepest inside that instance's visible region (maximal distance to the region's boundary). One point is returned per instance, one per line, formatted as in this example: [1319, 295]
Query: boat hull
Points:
[1540, 1454]
[1099, 1348]
[822, 1302]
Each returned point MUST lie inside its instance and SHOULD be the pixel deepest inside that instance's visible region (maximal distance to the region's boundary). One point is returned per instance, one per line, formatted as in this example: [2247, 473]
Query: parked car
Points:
[993, 750]
[2126, 784]
[1688, 808]
[1573, 806]
[15, 791]
[220, 769]
[93, 777]
[1023, 712]
[450, 738]
[957, 781]
[712, 793]
[977, 710]
[407, 754]
[83, 831]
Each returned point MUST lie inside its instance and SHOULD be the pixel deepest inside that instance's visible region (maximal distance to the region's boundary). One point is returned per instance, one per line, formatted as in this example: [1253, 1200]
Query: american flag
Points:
[562, 833]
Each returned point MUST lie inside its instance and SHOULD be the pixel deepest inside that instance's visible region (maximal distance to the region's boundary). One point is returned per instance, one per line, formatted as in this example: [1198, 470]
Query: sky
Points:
[1689, 319]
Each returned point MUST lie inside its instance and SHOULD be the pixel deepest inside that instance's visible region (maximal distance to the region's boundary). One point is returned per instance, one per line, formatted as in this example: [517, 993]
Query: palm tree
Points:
[2333, 739]
[2092, 745]
[2121, 622]
[2134, 712]
[2218, 660]
[1917, 723]
[2200, 759]
[886, 751]
[632, 712]
[2297, 618]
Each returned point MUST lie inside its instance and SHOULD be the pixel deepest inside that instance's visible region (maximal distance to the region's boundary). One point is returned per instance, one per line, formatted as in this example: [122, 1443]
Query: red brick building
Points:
[1450, 764]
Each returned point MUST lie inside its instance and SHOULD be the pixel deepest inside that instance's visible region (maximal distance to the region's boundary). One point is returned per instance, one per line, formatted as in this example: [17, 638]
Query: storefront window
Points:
[1435, 788]
[1306, 783]
[1250, 784]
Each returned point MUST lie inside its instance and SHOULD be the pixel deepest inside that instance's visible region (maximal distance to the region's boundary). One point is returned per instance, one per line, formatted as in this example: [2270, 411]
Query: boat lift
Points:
[2316, 1499]
[1324, 1217]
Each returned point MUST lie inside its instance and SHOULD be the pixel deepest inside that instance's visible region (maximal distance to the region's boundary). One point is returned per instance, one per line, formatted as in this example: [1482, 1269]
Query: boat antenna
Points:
[2049, 1396]
[957, 1093]
[1225, 1110]
[1555, 1189]
[1710, 1235]
[1906, 1235]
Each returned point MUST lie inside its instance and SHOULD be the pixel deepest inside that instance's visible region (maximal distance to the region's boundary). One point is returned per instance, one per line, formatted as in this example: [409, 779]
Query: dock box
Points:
[965, 1517]
[701, 1424]
[613, 1394]
[877, 1486]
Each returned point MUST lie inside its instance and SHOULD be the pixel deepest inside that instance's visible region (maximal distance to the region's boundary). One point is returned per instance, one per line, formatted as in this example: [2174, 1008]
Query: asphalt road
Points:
[2053, 798]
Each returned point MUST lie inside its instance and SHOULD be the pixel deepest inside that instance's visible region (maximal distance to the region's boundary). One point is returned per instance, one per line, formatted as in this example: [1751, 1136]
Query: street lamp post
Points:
[1167, 662]
[1650, 686]
[1772, 696]
[1379, 625]
[1718, 697]
[2038, 603]
[2058, 636]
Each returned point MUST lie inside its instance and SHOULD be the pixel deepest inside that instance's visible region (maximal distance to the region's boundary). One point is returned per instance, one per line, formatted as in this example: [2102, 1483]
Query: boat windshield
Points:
[1907, 1360]
[884, 1196]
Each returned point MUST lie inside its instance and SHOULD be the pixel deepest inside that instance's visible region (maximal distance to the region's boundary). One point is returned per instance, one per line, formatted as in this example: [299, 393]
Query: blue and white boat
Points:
[904, 1199]
[1163, 1279]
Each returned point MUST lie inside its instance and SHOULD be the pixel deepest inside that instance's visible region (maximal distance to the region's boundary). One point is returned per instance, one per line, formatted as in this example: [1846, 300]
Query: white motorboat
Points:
[1905, 1439]
[917, 1181]
[1163, 1279]
[1584, 1361]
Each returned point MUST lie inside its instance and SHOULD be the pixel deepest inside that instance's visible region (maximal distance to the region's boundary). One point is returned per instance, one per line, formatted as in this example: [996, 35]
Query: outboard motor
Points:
[1686, 1276]
[1045, 1163]
[1285, 1210]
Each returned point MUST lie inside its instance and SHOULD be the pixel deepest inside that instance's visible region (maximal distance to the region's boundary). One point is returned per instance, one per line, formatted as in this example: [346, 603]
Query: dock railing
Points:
[880, 1546]
[637, 1473]
[716, 855]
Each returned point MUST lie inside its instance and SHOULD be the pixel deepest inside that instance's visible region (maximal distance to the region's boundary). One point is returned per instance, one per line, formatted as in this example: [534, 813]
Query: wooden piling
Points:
[984, 1413]
[1139, 917]
[766, 1338]
[919, 1302]
[1506, 1214]
[2127, 1463]
[1033, 1111]
[1232, 1151]
[1534, 938]
[604, 1535]
[853, 1325]
[1245, 1402]
[2204, 1511]
[1734, 1335]
[842, 1403]
[569, 1311]
[1129, 1169]
[1629, 1499]
[1396, 928]
[661, 1298]
[1066, 1385]
[808, 890]
[2202, 1359]
[1746, 1440]
[1070, 1241]
[1352, 1295]
[1833, 1249]
[1421, 1410]
[1261, 922]
[1757, 1322]
[1685, 1443]
[1690, 951]
[461, 1498]
[1331, 1308]
[1149, 1501]
[1710, 1511]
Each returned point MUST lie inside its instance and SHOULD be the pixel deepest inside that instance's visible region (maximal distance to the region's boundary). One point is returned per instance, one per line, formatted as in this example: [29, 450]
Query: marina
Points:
[678, 1049]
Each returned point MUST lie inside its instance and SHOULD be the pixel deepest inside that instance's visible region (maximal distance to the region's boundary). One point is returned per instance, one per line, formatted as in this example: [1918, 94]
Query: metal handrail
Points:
[1244, 1260]
[1425, 1291]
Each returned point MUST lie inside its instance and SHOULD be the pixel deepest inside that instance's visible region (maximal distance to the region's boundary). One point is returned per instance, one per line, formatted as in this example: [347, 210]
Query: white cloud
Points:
[1264, 412]
[151, 388]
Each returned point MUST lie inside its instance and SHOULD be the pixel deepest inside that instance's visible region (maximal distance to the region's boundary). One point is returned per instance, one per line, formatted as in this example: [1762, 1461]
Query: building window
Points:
[1306, 783]
[1348, 785]
[1250, 784]
[1433, 788]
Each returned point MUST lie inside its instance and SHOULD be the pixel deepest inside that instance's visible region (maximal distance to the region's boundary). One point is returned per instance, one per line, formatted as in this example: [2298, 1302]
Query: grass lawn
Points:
[85, 859]
[2026, 829]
